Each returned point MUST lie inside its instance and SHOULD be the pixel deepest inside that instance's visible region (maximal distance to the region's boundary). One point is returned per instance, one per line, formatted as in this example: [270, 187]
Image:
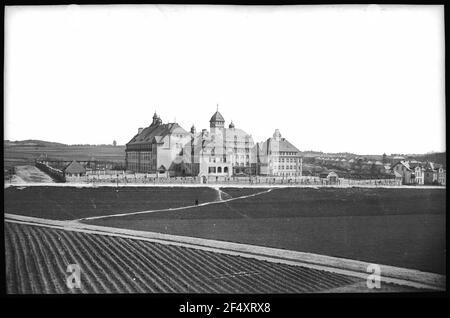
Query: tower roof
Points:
[217, 117]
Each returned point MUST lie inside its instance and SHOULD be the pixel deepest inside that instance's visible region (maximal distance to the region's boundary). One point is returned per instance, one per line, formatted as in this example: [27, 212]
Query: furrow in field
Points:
[190, 275]
[196, 266]
[145, 266]
[171, 271]
[293, 278]
[45, 264]
[10, 266]
[333, 280]
[29, 262]
[316, 279]
[208, 269]
[89, 273]
[107, 265]
[252, 274]
[219, 271]
[242, 286]
[287, 276]
[59, 254]
[282, 283]
[273, 280]
[255, 286]
[233, 268]
[167, 282]
[134, 272]
[22, 277]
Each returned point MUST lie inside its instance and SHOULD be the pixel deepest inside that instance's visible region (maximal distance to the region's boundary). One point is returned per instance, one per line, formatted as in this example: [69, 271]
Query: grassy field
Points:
[400, 227]
[37, 258]
[61, 203]
[23, 155]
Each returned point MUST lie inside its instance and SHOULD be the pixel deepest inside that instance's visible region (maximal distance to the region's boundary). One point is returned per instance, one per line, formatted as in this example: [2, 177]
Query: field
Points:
[37, 258]
[25, 155]
[399, 227]
[61, 203]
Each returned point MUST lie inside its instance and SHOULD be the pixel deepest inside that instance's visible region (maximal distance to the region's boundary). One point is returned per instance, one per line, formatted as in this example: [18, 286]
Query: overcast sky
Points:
[363, 79]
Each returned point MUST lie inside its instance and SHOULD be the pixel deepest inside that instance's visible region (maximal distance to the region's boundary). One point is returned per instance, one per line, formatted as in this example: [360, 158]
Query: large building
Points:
[278, 157]
[219, 152]
[157, 148]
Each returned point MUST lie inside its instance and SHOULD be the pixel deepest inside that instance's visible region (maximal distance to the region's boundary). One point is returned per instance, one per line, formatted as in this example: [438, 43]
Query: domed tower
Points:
[231, 126]
[217, 120]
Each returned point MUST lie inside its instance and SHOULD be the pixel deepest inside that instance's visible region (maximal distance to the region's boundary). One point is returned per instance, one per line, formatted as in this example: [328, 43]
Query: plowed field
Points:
[37, 259]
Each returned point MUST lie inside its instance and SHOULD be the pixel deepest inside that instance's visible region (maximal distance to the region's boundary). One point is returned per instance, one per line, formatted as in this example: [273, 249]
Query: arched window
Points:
[225, 169]
[219, 169]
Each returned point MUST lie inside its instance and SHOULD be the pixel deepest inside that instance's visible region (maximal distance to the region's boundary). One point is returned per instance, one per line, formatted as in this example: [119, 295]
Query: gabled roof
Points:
[156, 133]
[404, 163]
[74, 167]
[283, 145]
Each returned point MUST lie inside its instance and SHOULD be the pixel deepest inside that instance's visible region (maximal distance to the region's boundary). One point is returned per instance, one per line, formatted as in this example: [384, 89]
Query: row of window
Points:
[287, 174]
[288, 167]
[293, 160]
[288, 153]
[218, 170]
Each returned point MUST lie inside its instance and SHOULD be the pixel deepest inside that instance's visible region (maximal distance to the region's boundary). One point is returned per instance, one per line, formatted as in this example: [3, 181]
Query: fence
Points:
[141, 178]
[56, 174]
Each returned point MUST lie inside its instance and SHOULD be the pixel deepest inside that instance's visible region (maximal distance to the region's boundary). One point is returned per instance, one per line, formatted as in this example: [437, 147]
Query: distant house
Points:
[414, 172]
[330, 176]
[441, 175]
[434, 174]
[418, 172]
[402, 169]
[74, 169]
[431, 174]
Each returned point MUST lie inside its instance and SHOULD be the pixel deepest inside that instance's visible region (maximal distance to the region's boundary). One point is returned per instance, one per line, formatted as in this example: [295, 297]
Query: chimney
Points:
[140, 130]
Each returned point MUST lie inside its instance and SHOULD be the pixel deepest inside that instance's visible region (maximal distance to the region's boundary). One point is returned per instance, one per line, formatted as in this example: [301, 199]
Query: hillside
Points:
[25, 152]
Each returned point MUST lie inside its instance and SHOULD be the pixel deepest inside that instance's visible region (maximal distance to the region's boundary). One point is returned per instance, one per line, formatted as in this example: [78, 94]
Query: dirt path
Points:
[25, 174]
[219, 200]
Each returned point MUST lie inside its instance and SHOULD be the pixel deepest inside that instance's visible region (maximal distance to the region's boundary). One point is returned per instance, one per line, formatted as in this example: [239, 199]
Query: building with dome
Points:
[169, 148]
[220, 152]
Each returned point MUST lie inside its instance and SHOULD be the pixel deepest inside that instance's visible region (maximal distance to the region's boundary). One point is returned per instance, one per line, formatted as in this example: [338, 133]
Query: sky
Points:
[362, 79]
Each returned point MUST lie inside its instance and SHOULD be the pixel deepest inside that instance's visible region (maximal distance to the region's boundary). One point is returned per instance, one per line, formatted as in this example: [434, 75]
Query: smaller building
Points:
[278, 157]
[434, 174]
[74, 169]
[330, 177]
[414, 172]
[401, 168]
[418, 169]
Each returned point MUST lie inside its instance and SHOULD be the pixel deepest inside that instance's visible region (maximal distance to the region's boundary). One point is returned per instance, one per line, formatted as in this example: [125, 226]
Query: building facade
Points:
[414, 172]
[278, 157]
[168, 148]
[219, 152]
[157, 148]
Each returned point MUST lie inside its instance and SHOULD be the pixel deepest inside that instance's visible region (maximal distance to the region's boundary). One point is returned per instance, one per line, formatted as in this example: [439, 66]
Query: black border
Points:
[168, 304]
